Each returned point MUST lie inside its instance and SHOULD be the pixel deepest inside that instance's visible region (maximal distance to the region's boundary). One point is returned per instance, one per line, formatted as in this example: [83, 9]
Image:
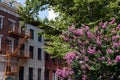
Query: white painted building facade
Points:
[34, 68]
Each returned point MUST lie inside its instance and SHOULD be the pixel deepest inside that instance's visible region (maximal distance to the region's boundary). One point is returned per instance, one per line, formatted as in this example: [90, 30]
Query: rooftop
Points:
[11, 3]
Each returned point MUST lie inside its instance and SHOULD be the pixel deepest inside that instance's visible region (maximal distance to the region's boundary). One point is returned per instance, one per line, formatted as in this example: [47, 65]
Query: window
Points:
[39, 53]
[31, 51]
[21, 73]
[22, 49]
[0, 41]
[30, 74]
[54, 76]
[39, 38]
[31, 34]
[1, 22]
[46, 74]
[60, 61]
[10, 45]
[39, 74]
[11, 3]
[8, 68]
[12, 25]
[47, 57]
[53, 60]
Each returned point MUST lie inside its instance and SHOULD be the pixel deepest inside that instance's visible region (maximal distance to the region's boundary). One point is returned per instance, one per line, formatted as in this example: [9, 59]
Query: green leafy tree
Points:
[86, 11]
[30, 12]
[96, 54]
[79, 12]
[70, 12]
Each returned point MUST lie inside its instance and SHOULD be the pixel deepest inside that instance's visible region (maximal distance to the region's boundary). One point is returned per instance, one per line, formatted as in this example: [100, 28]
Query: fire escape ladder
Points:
[20, 45]
[8, 64]
[17, 69]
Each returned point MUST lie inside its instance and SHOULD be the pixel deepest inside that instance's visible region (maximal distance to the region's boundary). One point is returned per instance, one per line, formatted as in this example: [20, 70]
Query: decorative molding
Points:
[2, 16]
[9, 12]
[11, 20]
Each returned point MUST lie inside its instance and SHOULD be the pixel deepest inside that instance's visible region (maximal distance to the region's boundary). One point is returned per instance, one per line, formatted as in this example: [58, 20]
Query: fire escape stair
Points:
[20, 45]
[15, 54]
[16, 69]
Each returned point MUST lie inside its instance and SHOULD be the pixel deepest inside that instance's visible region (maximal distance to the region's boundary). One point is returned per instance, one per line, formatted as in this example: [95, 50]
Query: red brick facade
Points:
[6, 27]
[51, 64]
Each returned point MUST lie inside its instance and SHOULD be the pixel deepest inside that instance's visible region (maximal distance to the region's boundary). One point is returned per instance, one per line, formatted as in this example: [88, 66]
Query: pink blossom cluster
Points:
[69, 57]
[117, 59]
[97, 45]
[64, 73]
[91, 50]
[76, 31]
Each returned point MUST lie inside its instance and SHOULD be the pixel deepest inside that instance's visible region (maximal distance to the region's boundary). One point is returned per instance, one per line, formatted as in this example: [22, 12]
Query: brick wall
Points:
[6, 27]
[51, 64]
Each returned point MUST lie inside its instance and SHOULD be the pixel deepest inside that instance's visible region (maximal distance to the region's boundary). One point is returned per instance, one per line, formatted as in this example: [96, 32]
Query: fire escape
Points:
[16, 59]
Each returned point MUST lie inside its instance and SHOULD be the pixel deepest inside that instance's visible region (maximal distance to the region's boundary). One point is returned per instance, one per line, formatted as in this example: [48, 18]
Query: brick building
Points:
[9, 22]
[21, 50]
[51, 65]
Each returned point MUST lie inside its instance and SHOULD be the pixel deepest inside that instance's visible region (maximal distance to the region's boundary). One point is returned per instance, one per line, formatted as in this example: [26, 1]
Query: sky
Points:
[44, 14]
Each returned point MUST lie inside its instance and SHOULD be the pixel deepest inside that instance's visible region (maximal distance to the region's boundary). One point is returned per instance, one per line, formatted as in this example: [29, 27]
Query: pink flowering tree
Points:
[97, 51]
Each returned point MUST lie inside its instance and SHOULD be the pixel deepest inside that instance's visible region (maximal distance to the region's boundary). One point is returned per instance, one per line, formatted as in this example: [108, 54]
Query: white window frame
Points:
[12, 39]
[54, 76]
[0, 41]
[1, 21]
[13, 28]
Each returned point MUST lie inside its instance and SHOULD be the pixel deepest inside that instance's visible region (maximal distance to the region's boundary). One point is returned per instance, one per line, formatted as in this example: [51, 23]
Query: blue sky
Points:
[42, 14]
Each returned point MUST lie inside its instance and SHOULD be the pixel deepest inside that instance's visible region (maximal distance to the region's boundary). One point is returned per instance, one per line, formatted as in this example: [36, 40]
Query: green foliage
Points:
[80, 12]
[30, 12]
[98, 50]
[70, 12]
[86, 11]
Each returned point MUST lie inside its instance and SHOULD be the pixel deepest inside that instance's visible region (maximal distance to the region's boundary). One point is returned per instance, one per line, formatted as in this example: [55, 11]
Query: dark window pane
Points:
[12, 26]
[39, 74]
[31, 34]
[39, 38]
[8, 68]
[47, 57]
[39, 53]
[30, 74]
[53, 60]
[0, 23]
[21, 73]
[22, 49]
[46, 74]
[31, 51]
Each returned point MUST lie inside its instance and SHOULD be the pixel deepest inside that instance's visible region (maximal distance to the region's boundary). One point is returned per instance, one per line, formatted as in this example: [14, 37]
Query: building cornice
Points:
[8, 9]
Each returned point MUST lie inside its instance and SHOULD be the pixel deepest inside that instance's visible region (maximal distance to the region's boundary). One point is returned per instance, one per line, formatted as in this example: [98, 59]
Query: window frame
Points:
[47, 57]
[30, 75]
[21, 73]
[39, 38]
[39, 73]
[12, 44]
[1, 41]
[31, 34]
[54, 76]
[13, 26]
[1, 25]
[47, 75]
